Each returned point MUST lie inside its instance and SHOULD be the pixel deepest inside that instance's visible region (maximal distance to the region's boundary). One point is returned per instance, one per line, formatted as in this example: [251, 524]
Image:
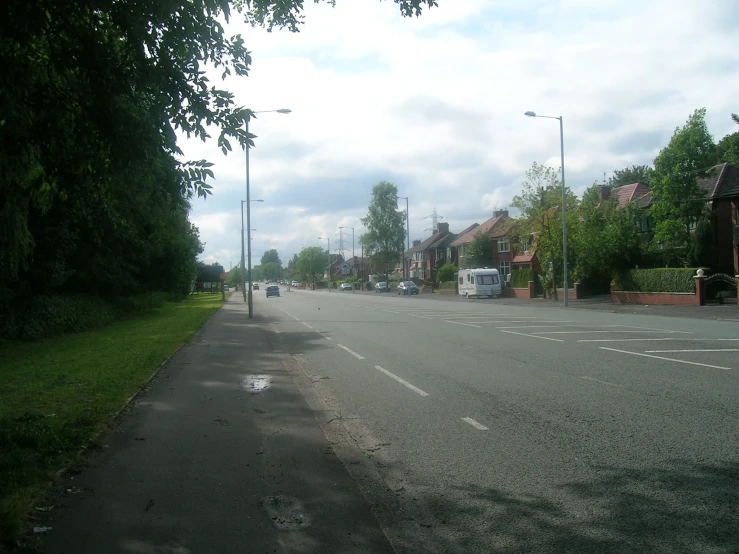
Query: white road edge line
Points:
[588, 331]
[351, 352]
[308, 326]
[474, 423]
[624, 340]
[663, 358]
[704, 350]
[533, 336]
[401, 381]
[599, 381]
[460, 323]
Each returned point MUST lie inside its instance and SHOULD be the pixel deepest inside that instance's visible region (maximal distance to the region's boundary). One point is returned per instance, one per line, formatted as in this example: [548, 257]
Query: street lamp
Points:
[248, 211]
[408, 233]
[328, 272]
[243, 284]
[564, 203]
[353, 258]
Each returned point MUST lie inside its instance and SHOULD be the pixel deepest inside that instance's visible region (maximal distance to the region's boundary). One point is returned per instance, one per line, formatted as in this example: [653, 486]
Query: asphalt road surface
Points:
[485, 427]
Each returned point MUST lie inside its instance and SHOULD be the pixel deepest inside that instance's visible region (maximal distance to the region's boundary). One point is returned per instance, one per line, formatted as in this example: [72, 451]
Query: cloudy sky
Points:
[435, 105]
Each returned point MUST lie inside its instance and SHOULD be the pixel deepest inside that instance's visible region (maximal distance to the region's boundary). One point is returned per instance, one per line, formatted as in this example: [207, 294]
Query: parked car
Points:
[407, 287]
[226, 288]
[294, 284]
[345, 286]
[255, 286]
[382, 286]
[273, 290]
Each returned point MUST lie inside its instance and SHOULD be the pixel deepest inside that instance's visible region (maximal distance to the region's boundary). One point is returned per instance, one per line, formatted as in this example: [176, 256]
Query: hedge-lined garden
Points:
[681, 280]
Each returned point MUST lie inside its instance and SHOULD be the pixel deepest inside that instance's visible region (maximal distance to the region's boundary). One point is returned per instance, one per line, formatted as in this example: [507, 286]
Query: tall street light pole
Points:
[243, 277]
[564, 201]
[352, 228]
[248, 211]
[408, 238]
[328, 272]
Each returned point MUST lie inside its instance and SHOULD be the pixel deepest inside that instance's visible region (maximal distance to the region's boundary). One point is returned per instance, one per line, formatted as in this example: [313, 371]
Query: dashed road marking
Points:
[663, 358]
[350, 351]
[474, 423]
[533, 336]
[401, 381]
[308, 326]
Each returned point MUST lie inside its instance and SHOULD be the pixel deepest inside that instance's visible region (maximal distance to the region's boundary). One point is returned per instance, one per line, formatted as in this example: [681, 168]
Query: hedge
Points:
[656, 280]
[448, 285]
[520, 278]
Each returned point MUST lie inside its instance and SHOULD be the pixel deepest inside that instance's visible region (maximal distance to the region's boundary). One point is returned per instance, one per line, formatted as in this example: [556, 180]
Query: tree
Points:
[446, 273]
[540, 203]
[480, 251]
[310, 264]
[728, 147]
[631, 174]
[702, 249]
[680, 201]
[271, 256]
[271, 271]
[383, 241]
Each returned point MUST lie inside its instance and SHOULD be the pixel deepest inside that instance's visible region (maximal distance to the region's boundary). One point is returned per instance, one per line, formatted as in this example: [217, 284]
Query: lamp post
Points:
[564, 202]
[328, 272]
[248, 212]
[243, 278]
[353, 258]
[408, 233]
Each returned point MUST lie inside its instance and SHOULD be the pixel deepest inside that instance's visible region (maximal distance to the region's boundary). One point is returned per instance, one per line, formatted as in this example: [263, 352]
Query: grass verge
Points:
[56, 394]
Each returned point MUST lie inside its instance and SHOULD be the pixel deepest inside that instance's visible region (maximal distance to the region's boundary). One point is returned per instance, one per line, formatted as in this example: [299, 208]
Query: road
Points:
[486, 427]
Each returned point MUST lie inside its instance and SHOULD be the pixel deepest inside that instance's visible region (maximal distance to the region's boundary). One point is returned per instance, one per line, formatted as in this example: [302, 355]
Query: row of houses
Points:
[425, 257]
[721, 186]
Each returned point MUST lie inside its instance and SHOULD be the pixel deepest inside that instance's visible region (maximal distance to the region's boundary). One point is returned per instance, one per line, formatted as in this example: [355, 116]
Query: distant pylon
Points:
[435, 220]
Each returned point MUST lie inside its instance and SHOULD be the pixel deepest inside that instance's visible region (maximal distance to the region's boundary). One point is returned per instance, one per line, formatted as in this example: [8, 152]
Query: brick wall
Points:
[654, 298]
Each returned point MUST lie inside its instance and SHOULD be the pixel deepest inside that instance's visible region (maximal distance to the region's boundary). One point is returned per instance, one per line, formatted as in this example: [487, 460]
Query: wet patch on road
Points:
[256, 383]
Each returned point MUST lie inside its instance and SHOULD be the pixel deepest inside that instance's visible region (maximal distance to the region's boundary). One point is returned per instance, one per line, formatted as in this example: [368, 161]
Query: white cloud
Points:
[436, 104]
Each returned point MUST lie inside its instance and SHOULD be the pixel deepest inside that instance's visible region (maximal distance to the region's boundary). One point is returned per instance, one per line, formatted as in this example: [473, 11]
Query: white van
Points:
[479, 282]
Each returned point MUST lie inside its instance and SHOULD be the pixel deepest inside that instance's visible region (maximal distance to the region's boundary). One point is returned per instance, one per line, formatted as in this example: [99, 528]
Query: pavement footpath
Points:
[220, 454]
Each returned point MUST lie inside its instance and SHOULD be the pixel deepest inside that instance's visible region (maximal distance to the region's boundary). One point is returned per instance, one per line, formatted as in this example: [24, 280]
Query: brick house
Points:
[464, 240]
[721, 185]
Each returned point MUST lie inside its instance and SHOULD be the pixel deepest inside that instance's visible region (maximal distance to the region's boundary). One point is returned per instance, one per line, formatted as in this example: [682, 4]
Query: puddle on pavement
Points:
[286, 512]
[256, 383]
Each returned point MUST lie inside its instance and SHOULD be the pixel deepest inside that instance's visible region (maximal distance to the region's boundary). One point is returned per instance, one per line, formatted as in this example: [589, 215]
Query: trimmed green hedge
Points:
[656, 280]
[520, 278]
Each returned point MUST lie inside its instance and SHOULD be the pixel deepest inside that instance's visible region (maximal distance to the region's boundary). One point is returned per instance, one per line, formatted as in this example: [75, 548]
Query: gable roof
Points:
[486, 227]
[721, 181]
[635, 192]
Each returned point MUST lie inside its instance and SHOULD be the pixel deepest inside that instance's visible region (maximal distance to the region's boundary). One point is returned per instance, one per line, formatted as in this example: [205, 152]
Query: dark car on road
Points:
[255, 286]
[345, 286]
[382, 286]
[273, 290]
[407, 287]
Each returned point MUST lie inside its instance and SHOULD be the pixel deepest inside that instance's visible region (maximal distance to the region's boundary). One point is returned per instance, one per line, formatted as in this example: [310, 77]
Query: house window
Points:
[525, 244]
[505, 268]
[461, 251]
[449, 253]
[504, 245]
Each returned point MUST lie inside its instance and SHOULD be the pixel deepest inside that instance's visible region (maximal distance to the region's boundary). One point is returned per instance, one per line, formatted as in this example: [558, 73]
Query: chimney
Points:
[498, 213]
[442, 228]
[604, 192]
[416, 242]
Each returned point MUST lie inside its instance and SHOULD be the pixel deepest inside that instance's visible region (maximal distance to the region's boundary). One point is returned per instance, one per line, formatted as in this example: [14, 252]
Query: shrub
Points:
[53, 315]
[520, 278]
[656, 280]
[446, 273]
[140, 302]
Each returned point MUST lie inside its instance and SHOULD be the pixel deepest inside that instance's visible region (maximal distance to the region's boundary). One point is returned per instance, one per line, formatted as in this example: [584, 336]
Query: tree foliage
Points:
[681, 202]
[383, 241]
[479, 253]
[271, 256]
[631, 174]
[310, 264]
[446, 273]
[540, 204]
[728, 147]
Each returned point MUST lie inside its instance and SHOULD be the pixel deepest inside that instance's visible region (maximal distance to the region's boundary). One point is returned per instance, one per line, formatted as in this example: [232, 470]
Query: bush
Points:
[520, 278]
[656, 280]
[446, 273]
[140, 302]
[53, 315]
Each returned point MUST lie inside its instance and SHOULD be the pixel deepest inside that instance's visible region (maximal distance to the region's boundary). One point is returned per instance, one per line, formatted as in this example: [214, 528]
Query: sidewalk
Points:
[220, 455]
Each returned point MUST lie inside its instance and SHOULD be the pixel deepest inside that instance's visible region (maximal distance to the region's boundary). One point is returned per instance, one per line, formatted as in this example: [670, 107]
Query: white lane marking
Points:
[324, 336]
[421, 316]
[701, 350]
[466, 316]
[401, 381]
[460, 323]
[589, 331]
[350, 351]
[295, 318]
[599, 381]
[652, 329]
[538, 326]
[663, 358]
[474, 423]
[390, 312]
[308, 326]
[623, 340]
[533, 336]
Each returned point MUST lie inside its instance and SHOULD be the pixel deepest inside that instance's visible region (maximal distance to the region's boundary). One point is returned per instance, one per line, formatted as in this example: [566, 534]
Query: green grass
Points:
[56, 394]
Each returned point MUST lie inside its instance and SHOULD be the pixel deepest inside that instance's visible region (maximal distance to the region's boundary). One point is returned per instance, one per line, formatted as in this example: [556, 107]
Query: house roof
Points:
[426, 244]
[504, 228]
[486, 227]
[635, 192]
[721, 181]
[523, 258]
